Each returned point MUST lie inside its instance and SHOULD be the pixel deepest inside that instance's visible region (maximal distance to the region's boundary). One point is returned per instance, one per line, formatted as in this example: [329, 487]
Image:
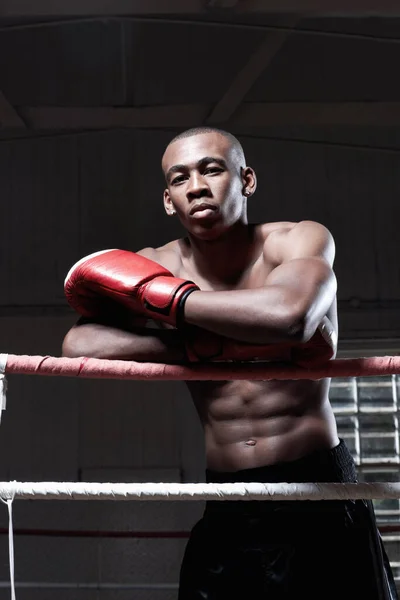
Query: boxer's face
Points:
[205, 183]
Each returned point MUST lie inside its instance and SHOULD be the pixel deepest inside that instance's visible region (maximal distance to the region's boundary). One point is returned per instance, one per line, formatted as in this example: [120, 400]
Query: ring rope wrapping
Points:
[121, 369]
[197, 491]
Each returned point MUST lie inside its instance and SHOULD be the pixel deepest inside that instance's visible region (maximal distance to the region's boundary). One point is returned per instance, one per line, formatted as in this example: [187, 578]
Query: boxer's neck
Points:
[226, 258]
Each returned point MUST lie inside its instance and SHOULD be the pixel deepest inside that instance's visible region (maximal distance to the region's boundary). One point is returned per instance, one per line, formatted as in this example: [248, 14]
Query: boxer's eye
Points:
[212, 170]
[178, 180]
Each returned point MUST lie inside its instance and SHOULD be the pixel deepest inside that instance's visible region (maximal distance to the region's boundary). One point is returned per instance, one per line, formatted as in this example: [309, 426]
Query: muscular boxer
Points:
[234, 291]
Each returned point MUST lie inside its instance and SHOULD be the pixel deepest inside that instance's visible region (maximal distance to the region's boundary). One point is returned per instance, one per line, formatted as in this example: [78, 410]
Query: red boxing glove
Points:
[98, 281]
[319, 349]
[202, 345]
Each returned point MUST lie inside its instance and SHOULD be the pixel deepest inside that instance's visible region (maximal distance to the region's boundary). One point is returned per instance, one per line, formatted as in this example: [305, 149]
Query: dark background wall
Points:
[87, 104]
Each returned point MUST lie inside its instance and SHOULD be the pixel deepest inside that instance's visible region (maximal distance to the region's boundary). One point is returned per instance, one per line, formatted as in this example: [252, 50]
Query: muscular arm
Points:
[289, 307]
[102, 340]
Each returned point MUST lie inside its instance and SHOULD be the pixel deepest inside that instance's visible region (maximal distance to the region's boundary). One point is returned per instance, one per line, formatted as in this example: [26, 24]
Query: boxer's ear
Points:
[249, 180]
[168, 206]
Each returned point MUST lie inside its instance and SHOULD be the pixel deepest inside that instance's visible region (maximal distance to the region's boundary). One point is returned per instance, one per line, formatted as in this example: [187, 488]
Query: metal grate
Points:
[367, 416]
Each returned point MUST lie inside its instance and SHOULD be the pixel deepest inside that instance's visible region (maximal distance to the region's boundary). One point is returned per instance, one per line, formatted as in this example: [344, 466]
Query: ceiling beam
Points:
[318, 113]
[221, 3]
[9, 118]
[248, 75]
[254, 114]
[354, 7]
[60, 8]
[180, 115]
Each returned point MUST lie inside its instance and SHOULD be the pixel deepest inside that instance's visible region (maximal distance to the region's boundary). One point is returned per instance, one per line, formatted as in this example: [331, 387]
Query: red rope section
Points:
[96, 368]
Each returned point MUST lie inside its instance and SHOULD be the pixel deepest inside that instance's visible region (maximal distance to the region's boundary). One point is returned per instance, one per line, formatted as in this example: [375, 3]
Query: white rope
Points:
[9, 502]
[3, 362]
[48, 490]
[3, 382]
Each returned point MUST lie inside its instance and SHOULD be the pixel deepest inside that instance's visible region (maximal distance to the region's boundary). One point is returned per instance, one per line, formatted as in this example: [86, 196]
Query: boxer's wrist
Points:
[189, 309]
[180, 308]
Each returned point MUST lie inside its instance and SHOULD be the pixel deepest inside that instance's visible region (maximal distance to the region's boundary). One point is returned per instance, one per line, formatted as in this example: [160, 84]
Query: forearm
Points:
[262, 315]
[142, 344]
[288, 308]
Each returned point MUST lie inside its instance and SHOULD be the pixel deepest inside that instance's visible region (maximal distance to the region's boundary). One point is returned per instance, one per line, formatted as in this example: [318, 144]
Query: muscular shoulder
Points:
[285, 241]
[168, 256]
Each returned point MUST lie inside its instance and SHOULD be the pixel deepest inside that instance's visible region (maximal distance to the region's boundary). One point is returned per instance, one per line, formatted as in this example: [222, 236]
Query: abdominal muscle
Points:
[249, 424]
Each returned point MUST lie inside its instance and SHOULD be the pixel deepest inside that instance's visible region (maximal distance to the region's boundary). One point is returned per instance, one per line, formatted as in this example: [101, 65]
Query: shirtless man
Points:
[264, 292]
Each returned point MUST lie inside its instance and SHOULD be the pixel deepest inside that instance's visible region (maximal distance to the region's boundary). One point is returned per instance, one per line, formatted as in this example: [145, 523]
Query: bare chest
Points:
[251, 277]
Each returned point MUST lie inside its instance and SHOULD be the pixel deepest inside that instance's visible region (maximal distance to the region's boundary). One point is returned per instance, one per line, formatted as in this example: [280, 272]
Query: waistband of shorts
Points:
[327, 466]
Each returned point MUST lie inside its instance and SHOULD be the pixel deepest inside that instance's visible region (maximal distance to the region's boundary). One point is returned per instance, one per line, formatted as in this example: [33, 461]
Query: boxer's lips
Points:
[203, 209]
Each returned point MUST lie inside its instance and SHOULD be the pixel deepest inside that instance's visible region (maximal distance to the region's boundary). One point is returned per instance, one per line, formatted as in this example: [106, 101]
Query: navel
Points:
[251, 442]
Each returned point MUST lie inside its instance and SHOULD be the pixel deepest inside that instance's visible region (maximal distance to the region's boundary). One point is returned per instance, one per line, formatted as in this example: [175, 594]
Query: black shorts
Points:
[287, 550]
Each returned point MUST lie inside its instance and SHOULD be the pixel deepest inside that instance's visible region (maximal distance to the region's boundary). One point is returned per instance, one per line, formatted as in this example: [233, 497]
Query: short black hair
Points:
[236, 145]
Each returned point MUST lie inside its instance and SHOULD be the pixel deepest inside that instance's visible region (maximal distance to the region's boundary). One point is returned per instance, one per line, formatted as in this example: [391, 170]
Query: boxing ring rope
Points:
[55, 490]
[118, 369]
[97, 368]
